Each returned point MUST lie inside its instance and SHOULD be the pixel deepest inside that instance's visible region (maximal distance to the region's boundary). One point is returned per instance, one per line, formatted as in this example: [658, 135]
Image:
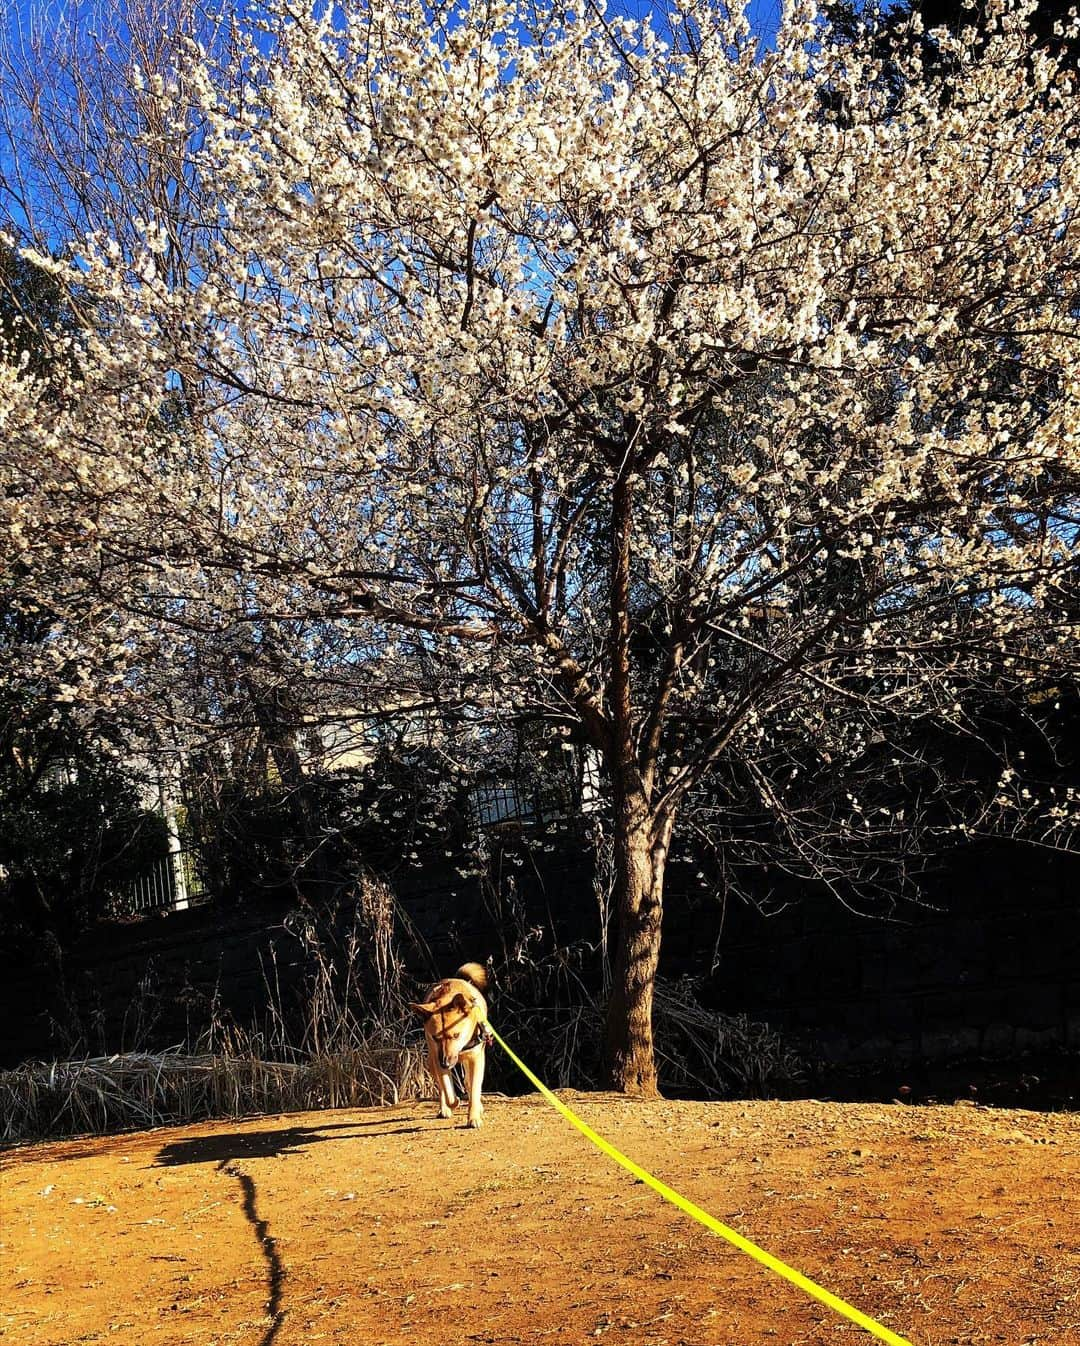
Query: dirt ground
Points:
[947, 1224]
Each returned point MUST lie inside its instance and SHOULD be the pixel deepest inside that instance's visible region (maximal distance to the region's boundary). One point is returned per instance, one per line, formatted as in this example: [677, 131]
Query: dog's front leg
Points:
[474, 1078]
[443, 1082]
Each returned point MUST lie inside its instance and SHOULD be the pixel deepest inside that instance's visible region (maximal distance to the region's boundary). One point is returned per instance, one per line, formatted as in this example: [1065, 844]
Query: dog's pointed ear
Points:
[424, 1009]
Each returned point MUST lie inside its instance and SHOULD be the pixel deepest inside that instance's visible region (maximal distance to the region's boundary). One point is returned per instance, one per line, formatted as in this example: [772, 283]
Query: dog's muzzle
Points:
[482, 1037]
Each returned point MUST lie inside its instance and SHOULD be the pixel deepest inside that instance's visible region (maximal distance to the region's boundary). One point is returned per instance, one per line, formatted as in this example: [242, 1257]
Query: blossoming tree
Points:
[712, 402]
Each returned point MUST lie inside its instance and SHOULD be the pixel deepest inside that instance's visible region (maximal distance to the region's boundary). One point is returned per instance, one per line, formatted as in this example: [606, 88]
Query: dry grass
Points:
[120, 1093]
[716, 1055]
[335, 1047]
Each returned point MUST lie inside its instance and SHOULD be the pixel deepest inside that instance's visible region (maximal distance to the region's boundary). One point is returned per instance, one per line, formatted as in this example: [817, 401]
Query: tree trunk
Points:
[641, 835]
[641, 848]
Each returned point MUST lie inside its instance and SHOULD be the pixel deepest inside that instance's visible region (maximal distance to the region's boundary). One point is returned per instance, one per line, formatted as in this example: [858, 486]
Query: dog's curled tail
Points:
[476, 974]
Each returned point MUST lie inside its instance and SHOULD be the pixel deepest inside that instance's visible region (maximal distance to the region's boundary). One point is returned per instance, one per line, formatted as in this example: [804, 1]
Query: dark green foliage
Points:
[33, 312]
[73, 831]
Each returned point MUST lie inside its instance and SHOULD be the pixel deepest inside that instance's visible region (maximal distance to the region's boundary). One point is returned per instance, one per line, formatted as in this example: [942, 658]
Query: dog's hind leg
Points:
[443, 1082]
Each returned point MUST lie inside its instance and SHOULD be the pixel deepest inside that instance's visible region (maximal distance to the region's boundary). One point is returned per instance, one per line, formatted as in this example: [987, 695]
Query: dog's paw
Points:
[476, 1122]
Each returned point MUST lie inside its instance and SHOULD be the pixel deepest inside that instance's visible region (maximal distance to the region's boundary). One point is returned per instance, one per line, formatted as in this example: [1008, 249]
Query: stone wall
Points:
[992, 968]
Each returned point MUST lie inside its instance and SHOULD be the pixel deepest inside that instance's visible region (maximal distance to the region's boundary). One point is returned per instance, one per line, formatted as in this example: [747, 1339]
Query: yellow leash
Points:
[703, 1217]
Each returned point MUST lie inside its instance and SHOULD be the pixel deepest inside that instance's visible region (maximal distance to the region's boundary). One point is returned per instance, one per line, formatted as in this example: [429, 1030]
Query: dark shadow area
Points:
[275, 1271]
[1038, 1082]
[230, 1145]
[229, 1149]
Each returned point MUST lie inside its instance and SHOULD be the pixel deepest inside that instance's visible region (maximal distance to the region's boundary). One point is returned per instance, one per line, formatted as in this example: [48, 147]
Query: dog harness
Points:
[481, 1038]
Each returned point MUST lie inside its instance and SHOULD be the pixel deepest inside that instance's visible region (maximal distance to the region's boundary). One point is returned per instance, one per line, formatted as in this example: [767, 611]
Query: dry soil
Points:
[948, 1224]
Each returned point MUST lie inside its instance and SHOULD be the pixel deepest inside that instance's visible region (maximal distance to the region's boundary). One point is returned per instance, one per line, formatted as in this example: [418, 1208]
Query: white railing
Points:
[170, 884]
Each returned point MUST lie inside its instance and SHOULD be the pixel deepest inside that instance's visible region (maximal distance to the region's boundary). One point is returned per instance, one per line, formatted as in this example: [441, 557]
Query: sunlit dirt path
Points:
[948, 1224]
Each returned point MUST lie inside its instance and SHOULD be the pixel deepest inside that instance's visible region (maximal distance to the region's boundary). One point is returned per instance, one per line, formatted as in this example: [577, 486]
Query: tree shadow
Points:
[275, 1269]
[229, 1145]
[227, 1150]
[94, 1146]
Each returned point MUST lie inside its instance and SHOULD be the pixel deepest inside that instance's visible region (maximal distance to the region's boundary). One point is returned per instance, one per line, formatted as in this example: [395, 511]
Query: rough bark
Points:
[641, 838]
[641, 847]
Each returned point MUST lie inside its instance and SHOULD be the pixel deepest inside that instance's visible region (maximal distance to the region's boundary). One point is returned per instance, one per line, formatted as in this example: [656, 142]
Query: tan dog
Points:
[455, 1018]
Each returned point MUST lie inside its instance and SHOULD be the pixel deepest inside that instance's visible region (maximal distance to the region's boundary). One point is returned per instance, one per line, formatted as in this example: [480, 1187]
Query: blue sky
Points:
[763, 13]
[17, 15]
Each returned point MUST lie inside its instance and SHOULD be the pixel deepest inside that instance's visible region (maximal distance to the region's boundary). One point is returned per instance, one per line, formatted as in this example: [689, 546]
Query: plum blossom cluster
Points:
[721, 404]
